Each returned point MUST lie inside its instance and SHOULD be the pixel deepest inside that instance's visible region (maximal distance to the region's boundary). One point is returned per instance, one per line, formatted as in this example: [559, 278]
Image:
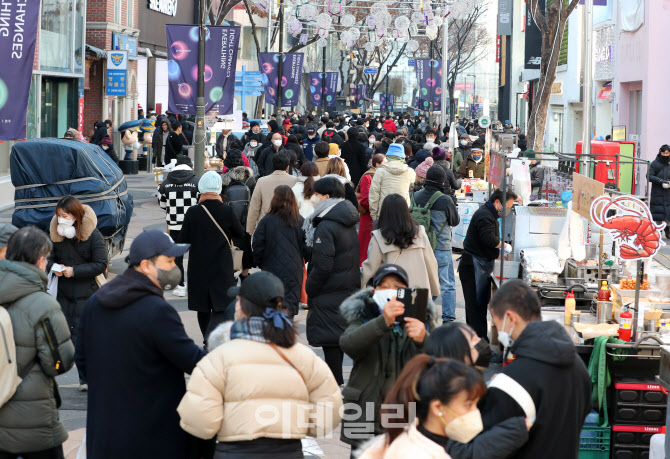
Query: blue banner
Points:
[359, 95]
[221, 45]
[290, 81]
[386, 102]
[17, 54]
[329, 92]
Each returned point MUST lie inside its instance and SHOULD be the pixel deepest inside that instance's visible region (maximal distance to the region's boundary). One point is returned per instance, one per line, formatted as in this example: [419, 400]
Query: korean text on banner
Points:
[221, 44]
[18, 33]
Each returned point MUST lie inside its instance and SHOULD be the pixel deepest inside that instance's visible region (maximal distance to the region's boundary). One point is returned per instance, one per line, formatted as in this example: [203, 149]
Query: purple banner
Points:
[429, 75]
[595, 2]
[359, 95]
[386, 102]
[330, 91]
[17, 53]
[290, 81]
[221, 45]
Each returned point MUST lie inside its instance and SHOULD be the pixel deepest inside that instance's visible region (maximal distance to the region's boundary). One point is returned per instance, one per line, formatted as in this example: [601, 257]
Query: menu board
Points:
[496, 172]
[585, 191]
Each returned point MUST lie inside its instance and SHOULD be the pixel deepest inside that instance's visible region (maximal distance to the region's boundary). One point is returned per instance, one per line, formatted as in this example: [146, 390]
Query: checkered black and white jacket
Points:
[178, 192]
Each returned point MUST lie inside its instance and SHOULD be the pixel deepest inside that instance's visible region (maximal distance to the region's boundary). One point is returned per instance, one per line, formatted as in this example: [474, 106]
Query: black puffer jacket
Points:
[87, 257]
[659, 202]
[353, 154]
[280, 248]
[178, 192]
[483, 233]
[333, 273]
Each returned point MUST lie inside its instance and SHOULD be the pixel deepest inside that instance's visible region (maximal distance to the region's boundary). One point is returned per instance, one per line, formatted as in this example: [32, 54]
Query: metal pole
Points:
[387, 90]
[280, 65]
[199, 134]
[445, 70]
[268, 49]
[323, 82]
[431, 95]
[588, 84]
[502, 225]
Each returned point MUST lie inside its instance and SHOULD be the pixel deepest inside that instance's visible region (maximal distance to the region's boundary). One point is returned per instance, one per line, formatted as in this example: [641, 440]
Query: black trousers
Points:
[333, 355]
[179, 261]
[52, 453]
[475, 276]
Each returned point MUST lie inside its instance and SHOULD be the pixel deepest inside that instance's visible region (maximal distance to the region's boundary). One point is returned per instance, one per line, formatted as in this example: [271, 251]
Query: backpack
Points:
[239, 196]
[421, 215]
[9, 377]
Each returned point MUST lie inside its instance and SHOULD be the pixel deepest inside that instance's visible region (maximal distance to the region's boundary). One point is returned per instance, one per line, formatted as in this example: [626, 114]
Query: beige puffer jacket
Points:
[244, 390]
[392, 177]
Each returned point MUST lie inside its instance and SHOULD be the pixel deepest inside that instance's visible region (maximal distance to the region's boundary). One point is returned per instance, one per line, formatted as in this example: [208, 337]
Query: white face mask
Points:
[105, 147]
[430, 139]
[464, 428]
[66, 228]
[371, 141]
[339, 152]
[65, 221]
[311, 136]
[253, 144]
[277, 143]
[464, 142]
[381, 297]
[504, 337]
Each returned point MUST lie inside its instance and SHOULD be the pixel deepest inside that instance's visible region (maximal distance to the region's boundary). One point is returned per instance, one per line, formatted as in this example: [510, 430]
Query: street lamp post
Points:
[280, 65]
[199, 134]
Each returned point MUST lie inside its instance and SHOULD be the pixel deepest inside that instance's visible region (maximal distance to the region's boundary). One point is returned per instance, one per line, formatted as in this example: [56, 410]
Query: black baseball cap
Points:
[311, 129]
[152, 243]
[260, 288]
[389, 270]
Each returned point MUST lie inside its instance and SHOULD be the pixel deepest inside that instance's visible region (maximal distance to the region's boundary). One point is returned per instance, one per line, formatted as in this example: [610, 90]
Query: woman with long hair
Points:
[401, 241]
[333, 269]
[304, 189]
[279, 245]
[444, 394]
[256, 364]
[79, 255]
[336, 168]
[362, 194]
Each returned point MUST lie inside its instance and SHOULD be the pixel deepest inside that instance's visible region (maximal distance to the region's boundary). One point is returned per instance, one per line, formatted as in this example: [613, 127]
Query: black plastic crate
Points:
[630, 452]
[639, 392]
[639, 414]
[634, 435]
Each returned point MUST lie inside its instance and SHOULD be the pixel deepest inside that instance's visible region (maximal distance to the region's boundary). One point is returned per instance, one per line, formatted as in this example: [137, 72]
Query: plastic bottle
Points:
[604, 292]
[570, 306]
[625, 325]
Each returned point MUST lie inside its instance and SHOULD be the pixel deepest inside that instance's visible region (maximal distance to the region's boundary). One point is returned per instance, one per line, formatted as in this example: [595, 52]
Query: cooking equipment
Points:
[555, 295]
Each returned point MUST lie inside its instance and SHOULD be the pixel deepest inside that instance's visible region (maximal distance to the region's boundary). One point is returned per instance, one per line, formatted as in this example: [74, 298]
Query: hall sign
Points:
[168, 7]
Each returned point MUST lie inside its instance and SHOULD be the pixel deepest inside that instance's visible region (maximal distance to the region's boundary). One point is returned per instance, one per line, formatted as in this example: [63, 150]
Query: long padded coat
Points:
[659, 202]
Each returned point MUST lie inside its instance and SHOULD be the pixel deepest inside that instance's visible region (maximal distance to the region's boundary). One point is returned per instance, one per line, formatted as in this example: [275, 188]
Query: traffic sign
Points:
[371, 70]
[411, 62]
[485, 121]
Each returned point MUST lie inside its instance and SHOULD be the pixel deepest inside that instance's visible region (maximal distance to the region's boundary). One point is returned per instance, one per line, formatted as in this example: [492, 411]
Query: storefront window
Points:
[79, 31]
[56, 36]
[60, 101]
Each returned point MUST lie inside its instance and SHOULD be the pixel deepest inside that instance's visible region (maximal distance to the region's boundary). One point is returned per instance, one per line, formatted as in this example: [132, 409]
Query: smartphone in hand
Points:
[415, 301]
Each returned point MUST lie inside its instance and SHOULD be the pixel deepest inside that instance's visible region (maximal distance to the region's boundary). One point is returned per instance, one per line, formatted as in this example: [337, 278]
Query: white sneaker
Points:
[83, 387]
[179, 291]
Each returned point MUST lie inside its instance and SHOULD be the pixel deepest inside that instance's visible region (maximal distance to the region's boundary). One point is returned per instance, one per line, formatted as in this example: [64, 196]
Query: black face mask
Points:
[485, 354]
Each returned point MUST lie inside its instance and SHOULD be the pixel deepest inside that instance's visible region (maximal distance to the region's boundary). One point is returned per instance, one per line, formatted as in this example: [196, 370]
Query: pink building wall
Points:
[643, 63]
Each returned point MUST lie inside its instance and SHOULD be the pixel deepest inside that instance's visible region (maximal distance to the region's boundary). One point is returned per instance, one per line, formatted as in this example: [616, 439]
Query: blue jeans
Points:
[445, 270]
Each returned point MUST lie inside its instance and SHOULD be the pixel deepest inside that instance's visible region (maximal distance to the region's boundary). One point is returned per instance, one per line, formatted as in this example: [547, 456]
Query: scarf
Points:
[320, 210]
[250, 328]
[210, 195]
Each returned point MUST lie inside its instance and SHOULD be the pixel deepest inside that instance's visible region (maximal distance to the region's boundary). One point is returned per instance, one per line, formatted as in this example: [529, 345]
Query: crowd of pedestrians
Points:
[339, 216]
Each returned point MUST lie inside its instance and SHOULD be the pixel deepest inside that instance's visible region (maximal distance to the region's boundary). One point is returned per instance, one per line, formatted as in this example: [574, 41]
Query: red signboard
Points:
[496, 169]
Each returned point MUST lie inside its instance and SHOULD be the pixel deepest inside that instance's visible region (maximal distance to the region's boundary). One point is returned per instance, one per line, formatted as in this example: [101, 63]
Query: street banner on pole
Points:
[291, 75]
[330, 92]
[430, 86]
[359, 95]
[17, 53]
[221, 45]
[386, 102]
[533, 39]
[505, 17]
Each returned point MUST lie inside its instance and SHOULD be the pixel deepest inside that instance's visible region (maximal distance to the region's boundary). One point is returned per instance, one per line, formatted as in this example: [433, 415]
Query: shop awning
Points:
[605, 91]
[97, 53]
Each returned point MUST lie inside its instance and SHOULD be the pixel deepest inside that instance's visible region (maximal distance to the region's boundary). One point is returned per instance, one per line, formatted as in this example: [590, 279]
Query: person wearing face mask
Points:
[251, 148]
[78, 256]
[473, 165]
[431, 138]
[374, 339]
[443, 393]
[463, 150]
[310, 141]
[482, 245]
[210, 269]
[547, 382]
[659, 176]
[264, 161]
[108, 146]
[254, 129]
[134, 350]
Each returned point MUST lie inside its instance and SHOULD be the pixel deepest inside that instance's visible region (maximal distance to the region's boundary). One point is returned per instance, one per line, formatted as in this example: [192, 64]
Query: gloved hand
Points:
[508, 248]
[666, 185]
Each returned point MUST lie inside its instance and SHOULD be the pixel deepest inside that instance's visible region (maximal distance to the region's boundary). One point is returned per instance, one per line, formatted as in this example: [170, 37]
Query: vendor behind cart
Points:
[482, 246]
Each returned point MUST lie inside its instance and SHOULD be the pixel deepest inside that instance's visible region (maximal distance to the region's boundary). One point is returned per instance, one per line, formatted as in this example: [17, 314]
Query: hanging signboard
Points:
[585, 191]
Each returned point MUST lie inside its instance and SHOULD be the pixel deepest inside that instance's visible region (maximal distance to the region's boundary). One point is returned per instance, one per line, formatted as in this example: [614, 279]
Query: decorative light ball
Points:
[413, 29]
[416, 5]
[369, 46]
[412, 46]
[371, 21]
[346, 38]
[321, 42]
[417, 17]
[324, 20]
[437, 20]
[401, 22]
[295, 27]
[403, 37]
[348, 20]
[307, 12]
[355, 33]
[431, 31]
[378, 8]
[385, 19]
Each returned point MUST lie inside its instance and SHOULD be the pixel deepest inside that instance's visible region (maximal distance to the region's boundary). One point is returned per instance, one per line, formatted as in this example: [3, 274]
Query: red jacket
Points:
[389, 125]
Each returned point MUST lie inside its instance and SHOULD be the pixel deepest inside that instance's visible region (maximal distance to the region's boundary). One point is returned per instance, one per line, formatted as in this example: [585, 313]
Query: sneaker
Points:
[304, 306]
[179, 291]
[83, 387]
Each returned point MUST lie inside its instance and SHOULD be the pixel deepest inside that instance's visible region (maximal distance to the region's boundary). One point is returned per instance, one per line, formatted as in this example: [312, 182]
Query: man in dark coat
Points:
[159, 141]
[175, 143]
[264, 158]
[333, 270]
[134, 351]
[330, 135]
[254, 129]
[482, 245]
[659, 176]
[536, 174]
[310, 141]
[353, 154]
[224, 142]
[547, 381]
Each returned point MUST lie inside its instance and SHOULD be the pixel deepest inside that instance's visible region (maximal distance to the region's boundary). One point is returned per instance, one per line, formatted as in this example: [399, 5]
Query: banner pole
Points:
[280, 65]
[323, 82]
[199, 134]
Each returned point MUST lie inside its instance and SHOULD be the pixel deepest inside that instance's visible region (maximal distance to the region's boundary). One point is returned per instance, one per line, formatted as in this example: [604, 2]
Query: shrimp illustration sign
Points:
[637, 236]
